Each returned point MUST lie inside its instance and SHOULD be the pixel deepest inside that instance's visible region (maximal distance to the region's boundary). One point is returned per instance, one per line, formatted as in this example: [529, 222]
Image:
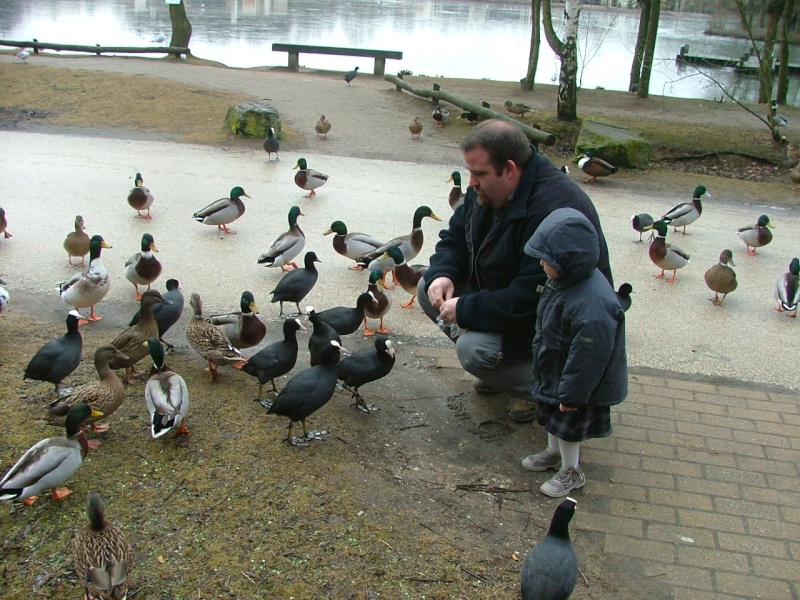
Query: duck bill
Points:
[96, 414]
[433, 216]
[328, 232]
[153, 248]
[246, 195]
[105, 244]
[253, 308]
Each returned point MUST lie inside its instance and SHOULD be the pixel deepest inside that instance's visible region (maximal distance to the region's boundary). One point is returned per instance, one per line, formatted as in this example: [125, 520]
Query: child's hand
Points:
[563, 408]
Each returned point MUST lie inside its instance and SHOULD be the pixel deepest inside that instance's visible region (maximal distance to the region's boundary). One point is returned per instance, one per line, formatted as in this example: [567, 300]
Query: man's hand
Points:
[440, 290]
[447, 311]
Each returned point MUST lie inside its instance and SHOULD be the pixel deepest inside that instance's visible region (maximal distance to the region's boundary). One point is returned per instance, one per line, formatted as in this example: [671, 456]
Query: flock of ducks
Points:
[720, 278]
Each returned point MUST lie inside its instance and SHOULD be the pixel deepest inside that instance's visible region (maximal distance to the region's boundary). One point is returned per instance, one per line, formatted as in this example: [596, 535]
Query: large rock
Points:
[253, 119]
[619, 145]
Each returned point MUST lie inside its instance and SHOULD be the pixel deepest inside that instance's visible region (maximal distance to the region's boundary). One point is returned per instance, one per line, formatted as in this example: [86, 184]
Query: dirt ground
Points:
[420, 499]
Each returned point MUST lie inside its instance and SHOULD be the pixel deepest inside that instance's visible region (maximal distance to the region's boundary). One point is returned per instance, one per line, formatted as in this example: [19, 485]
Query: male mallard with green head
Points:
[308, 179]
[284, 248]
[456, 197]
[666, 256]
[103, 558]
[720, 278]
[381, 306]
[140, 198]
[685, 213]
[223, 211]
[50, 462]
[787, 289]
[87, 289]
[352, 245]
[244, 328]
[165, 394]
[756, 236]
[143, 268]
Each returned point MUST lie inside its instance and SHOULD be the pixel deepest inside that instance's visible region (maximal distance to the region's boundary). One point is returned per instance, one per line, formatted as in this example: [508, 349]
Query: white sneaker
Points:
[563, 482]
[549, 459]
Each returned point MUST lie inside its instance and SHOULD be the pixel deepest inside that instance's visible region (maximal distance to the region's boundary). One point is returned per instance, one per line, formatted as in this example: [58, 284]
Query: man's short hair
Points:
[503, 141]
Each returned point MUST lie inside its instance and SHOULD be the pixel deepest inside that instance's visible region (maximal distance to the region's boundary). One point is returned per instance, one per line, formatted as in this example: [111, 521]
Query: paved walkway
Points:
[699, 483]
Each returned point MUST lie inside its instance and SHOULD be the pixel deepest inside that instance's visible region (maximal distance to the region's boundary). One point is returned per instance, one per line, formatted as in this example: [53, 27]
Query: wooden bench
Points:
[295, 50]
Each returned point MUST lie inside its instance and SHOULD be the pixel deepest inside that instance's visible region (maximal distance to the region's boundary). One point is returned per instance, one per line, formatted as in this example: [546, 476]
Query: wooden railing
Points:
[97, 49]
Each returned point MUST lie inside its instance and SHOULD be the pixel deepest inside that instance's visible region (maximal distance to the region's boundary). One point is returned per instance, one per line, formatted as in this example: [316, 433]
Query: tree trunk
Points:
[181, 27]
[567, 51]
[783, 71]
[774, 12]
[649, 48]
[536, 39]
[641, 36]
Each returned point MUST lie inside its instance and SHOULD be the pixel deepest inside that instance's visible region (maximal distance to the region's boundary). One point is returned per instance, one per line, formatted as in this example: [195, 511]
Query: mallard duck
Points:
[308, 179]
[166, 313]
[518, 109]
[165, 393]
[140, 198]
[365, 367]
[104, 395]
[352, 245]
[440, 115]
[322, 127]
[595, 167]
[411, 244]
[685, 213]
[244, 328]
[4, 224]
[58, 358]
[551, 569]
[295, 285]
[407, 276]
[350, 75]
[787, 289]
[641, 223]
[321, 336]
[272, 145]
[720, 278]
[50, 462]
[470, 117]
[77, 243]
[624, 292]
[132, 343]
[346, 320]
[223, 211]
[415, 127]
[666, 256]
[88, 288]
[756, 236]
[210, 341]
[276, 359]
[286, 246]
[456, 197]
[103, 558]
[382, 305]
[307, 392]
[143, 268]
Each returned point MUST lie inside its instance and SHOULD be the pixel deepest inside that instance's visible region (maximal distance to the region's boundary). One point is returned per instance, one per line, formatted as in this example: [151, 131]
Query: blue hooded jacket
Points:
[579, 346]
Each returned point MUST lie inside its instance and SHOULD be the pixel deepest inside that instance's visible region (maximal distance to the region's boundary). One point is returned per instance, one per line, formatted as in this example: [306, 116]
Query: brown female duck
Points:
[103, 557]
[720, 278]
[210, 341]
[133, 341]
[77, 243]
[104, 395]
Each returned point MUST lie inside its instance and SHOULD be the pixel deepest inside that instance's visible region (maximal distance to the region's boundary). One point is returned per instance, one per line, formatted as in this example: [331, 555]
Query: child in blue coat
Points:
[579, 362]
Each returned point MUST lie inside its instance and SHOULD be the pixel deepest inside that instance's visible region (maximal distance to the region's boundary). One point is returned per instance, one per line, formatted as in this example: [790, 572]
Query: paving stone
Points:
[752, 587]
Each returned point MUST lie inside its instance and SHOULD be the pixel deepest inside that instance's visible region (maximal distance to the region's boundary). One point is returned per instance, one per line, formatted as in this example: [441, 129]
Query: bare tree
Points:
[181, 27]
[649, 48]
[641, 36]
[567, 52]
[783, 70]
[533, 57]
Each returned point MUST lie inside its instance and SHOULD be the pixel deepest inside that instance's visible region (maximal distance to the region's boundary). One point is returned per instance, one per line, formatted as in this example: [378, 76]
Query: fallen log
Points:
[437, 94]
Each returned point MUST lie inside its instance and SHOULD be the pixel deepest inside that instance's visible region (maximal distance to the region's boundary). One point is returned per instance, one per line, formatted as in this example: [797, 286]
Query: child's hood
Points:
[568, 241]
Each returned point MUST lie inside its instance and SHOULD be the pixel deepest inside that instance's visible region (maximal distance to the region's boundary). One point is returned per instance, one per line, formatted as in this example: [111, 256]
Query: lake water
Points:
[455, 38]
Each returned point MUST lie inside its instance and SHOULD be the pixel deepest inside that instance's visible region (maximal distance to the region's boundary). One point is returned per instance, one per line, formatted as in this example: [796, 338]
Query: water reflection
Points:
[455, 38]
